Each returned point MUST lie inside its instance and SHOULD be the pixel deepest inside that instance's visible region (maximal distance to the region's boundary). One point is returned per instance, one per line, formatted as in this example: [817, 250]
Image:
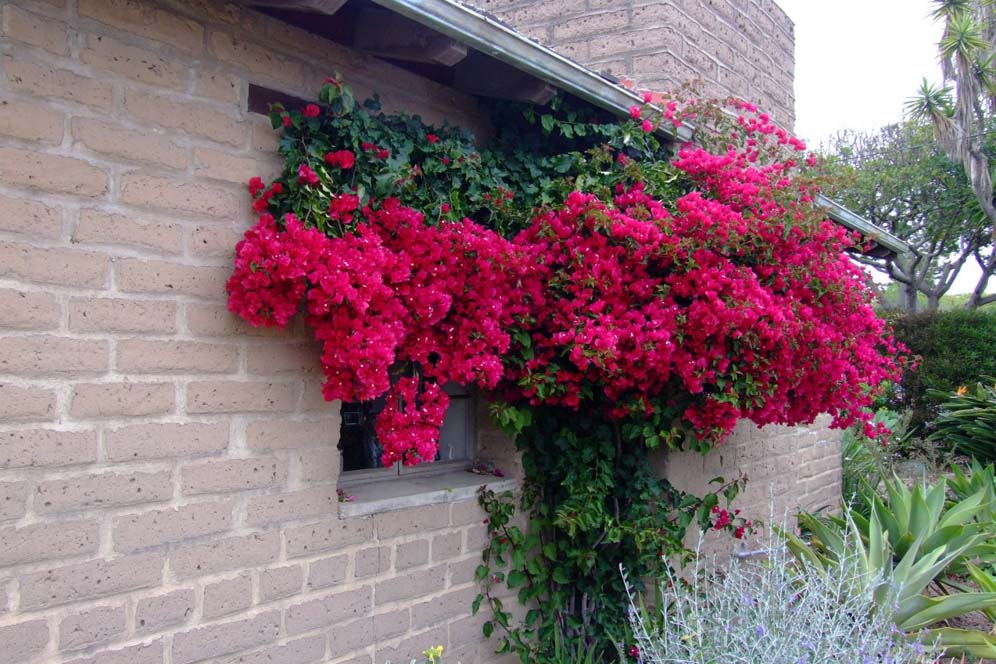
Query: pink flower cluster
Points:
[732, 305]
[396, 290]
[736, 303]
[408, 427]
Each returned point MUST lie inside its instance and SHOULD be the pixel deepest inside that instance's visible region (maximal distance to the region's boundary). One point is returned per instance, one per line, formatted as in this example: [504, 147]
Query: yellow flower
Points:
[433, 655]
[961, 391]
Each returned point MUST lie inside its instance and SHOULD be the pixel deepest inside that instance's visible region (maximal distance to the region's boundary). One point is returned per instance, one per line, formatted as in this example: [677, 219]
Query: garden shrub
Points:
[967, 421]
[771, 611]
[954, 348]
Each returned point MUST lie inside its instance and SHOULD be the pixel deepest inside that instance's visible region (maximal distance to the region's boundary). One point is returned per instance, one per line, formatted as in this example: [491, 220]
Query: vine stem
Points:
[617, 434]
[510, 633]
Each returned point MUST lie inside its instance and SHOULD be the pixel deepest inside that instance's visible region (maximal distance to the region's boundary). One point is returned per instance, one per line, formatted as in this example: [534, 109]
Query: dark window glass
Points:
[361, 450]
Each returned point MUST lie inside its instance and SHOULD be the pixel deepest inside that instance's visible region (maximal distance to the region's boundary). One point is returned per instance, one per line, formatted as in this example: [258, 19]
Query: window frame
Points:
[348, 478]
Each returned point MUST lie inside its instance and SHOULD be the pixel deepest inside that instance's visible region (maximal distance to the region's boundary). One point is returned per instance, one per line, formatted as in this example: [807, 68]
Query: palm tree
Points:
[967, 53]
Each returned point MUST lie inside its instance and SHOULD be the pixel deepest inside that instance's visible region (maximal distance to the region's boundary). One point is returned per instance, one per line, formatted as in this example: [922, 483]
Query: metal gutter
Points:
[856, 222]
[491, 37]
[494, 38]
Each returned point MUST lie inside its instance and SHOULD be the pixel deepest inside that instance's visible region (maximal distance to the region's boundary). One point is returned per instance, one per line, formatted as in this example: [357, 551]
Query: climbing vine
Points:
[610, 297]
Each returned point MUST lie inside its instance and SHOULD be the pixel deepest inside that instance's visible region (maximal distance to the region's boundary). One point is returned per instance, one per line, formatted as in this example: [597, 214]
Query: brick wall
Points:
[744, 48]
[167, 474]
[788, 468]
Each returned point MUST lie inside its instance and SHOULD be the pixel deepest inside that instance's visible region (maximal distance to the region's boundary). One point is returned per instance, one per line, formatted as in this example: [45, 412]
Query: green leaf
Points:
[924, 611]
[516, 578]
[488, 628]
[561, 576]
[547, 122]
[955, 642]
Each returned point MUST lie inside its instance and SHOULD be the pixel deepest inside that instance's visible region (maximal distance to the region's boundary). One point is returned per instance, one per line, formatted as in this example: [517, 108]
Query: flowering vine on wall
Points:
[599, 290]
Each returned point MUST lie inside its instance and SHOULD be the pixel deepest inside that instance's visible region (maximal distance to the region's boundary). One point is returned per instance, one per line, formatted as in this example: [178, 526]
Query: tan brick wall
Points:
[167, 474]
[744, 48]
[788, 468]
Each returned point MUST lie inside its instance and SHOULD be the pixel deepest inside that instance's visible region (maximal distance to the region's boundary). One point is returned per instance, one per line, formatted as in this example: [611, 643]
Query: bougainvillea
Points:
[394, 291]
[728, 302]
[715, 311]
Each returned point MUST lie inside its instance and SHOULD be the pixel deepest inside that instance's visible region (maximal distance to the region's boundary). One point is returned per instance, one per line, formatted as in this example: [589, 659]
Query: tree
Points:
[900, 180]
[968, 60]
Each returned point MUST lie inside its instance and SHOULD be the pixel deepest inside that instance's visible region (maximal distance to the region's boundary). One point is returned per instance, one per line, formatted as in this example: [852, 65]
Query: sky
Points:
[858, 61]
[856, 64]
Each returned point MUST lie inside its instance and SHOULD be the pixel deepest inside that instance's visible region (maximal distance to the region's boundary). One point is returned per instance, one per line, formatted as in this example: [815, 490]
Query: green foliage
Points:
[979, 478]
[867, 462]
[590, 503]
[908, 549]
[955, 348]
[968, 421]
[539, 154]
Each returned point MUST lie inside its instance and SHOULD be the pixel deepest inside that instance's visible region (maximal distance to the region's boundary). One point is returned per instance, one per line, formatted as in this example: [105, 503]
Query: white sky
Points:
[856, 64]
[858, 61]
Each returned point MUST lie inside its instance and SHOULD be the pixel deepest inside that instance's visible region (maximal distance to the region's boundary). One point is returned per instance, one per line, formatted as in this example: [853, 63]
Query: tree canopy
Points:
[900, 179]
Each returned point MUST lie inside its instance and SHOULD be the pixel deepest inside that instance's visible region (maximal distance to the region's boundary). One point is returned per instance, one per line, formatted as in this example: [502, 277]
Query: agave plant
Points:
[978, 478]
[968, 422]
[923, 511]
[911, 544]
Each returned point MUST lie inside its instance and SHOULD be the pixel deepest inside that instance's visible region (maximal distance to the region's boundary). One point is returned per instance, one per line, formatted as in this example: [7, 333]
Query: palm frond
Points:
[963, 39]
[945, 9]
[930, 102]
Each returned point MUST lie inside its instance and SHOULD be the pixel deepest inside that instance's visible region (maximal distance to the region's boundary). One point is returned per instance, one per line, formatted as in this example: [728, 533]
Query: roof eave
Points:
[856, 222]
[487, 35]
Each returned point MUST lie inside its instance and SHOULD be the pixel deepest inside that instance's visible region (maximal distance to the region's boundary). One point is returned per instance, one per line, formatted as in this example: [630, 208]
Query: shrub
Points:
[968, 422]
[771, 611]
[956, 348]
[610, 300]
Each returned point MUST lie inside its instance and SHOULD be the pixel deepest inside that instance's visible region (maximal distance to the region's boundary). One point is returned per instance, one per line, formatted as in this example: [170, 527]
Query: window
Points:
[361, 452]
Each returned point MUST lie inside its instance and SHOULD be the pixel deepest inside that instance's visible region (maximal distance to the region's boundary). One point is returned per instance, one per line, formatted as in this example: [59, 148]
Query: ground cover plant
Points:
[610, 297]
[771, 610]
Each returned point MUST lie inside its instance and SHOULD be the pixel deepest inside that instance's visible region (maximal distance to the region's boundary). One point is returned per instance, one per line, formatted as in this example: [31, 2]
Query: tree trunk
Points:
[978, 297]
[910, 303]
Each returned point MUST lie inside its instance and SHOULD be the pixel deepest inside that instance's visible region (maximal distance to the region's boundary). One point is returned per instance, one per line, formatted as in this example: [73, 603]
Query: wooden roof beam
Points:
[488, 77]
[317, 6]
[389, 35]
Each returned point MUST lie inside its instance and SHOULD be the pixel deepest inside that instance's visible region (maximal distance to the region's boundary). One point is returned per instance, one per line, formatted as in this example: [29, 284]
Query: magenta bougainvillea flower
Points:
[726, 303]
